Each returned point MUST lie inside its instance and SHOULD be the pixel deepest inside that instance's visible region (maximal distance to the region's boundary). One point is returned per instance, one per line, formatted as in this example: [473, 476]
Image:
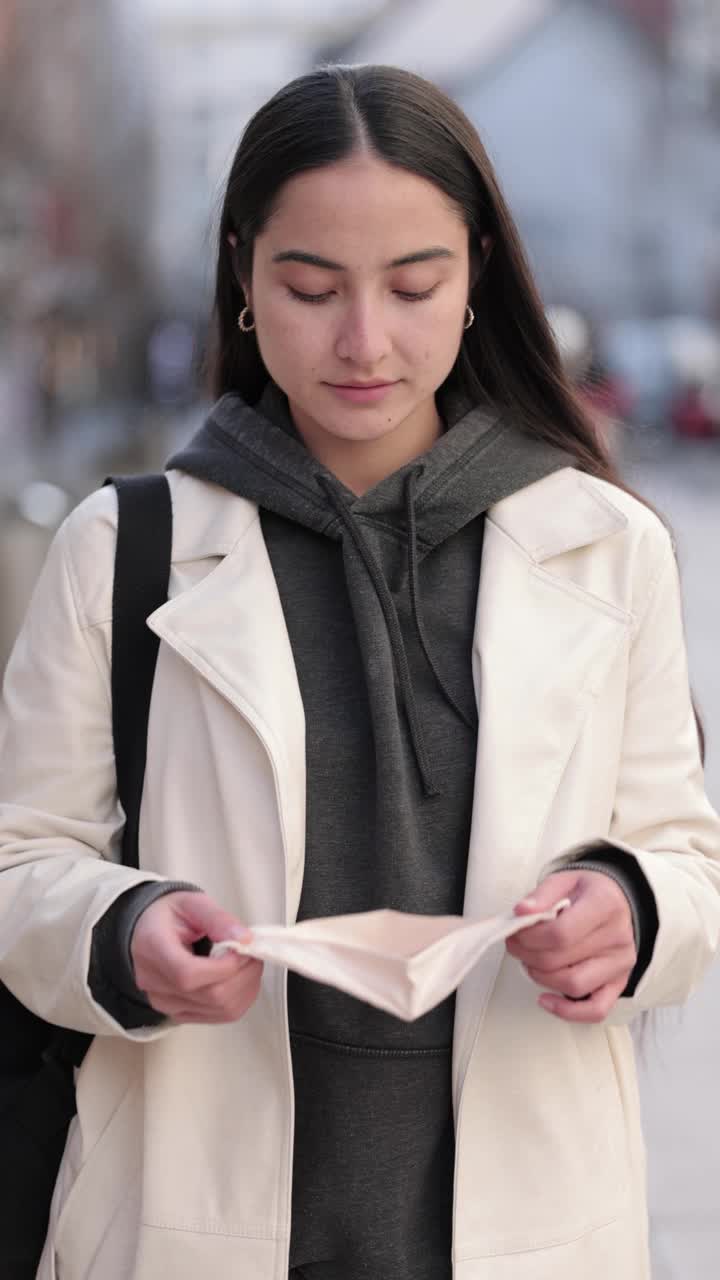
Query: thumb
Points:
[550, 891]
[205, 919]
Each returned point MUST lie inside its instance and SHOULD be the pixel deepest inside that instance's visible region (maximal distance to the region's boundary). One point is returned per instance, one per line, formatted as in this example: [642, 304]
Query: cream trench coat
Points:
[179, 1161]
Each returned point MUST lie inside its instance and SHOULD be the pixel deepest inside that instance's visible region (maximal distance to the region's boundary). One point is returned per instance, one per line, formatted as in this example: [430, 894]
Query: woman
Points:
[422, 651]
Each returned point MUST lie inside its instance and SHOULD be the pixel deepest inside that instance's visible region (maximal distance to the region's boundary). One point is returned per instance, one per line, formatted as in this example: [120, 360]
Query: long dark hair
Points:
[509, 356]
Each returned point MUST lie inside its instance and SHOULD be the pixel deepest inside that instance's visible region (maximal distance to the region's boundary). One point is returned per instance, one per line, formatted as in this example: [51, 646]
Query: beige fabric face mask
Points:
[404, 964]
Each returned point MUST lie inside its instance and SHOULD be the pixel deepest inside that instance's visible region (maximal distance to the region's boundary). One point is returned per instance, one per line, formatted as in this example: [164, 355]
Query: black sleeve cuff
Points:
[111, 976]
[627, 873]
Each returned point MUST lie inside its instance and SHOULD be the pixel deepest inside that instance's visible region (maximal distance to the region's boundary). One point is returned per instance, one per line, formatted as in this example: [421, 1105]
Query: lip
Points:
[361, 392]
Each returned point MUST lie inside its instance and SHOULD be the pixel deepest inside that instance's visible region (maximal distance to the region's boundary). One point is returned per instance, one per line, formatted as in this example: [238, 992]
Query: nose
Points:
[362, 336]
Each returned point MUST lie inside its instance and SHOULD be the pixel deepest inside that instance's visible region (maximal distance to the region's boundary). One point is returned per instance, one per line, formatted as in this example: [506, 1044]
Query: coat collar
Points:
[562, 512]
[231, 629]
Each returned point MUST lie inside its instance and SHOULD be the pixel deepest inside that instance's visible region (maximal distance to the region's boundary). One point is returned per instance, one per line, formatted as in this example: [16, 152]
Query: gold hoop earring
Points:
[469, 317]
[243, 325]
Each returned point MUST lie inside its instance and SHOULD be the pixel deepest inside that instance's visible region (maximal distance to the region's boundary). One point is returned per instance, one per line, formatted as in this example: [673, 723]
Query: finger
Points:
[216, 993]
[200, 917]
[604, 941]
[550, 891]
[522, 947]
[180, 1014]
[597, 901]
[225, 997]
[180, 973]
[189, 1015]
[159, 982]
[170, 964]
[596, 1009]
[201, 1019]
[580, 980]
[165, 937]
[224, 1003]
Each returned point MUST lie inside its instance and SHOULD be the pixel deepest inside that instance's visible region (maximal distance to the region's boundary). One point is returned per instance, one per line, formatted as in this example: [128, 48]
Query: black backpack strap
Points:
[142, 572]
[140, 585]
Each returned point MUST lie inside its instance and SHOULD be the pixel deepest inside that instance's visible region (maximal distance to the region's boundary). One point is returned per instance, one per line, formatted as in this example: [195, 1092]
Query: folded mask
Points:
[404, 964]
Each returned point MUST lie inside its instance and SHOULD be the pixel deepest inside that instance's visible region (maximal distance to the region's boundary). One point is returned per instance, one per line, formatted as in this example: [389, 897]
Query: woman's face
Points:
[359, 286]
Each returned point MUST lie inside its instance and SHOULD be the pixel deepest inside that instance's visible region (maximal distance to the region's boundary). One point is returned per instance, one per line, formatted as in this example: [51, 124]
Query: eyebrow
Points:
[313, 260]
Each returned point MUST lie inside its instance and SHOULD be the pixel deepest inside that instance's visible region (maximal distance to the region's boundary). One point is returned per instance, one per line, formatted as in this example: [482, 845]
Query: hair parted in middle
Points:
[509, 356]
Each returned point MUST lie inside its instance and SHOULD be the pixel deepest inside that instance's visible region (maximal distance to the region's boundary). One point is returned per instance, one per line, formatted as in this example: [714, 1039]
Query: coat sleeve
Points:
[60, 818]
[662, 816]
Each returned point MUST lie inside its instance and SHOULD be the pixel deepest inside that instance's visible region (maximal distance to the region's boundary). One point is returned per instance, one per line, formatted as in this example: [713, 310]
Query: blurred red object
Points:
[606, 393]
[690, 415]
[609, 397]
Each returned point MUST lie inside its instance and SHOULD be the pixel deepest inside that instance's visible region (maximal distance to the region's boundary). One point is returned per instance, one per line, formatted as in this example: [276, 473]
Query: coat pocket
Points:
[99, 1179]
[542, 1151]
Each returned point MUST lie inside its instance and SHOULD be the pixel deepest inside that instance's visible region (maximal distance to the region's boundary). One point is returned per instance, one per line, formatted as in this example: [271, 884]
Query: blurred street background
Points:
[118, 120]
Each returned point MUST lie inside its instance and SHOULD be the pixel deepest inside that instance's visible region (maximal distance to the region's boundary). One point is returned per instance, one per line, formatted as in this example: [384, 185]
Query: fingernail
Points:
[528, 902]
[239, 934]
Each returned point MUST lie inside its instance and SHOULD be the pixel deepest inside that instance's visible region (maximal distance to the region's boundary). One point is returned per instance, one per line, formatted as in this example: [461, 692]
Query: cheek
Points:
[292, 345]
[432, 342]
[435, 326]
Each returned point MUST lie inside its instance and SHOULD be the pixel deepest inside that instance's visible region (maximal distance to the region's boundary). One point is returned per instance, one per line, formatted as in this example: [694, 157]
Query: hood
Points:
[256, 452]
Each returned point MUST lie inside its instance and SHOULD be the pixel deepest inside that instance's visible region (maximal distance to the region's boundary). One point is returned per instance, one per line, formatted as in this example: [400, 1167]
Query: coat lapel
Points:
[231, 629]
[543, 646]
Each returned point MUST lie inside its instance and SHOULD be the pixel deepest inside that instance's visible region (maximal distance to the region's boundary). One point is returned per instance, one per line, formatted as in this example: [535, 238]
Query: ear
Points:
[232, 241]
[480, 260]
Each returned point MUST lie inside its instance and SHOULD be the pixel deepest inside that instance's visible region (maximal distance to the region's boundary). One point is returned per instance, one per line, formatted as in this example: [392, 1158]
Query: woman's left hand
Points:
[584, 958]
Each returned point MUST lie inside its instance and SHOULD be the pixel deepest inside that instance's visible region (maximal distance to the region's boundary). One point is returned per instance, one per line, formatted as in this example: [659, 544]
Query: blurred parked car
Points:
[669, 365]
[693, 414]
[636, 352]
[694, 347]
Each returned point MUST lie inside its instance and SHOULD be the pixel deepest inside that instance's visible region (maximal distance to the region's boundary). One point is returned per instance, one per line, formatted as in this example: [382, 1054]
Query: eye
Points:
[415, 297]
[316, 298]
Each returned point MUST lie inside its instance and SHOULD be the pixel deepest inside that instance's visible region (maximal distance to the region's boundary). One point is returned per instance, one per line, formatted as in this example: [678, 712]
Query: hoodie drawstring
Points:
[392, 621]
[415, 604]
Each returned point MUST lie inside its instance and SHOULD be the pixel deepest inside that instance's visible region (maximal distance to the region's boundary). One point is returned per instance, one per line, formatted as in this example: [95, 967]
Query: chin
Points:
[361, 427]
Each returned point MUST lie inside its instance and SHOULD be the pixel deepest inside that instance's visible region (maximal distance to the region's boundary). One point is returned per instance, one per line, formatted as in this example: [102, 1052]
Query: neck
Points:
[361, 464]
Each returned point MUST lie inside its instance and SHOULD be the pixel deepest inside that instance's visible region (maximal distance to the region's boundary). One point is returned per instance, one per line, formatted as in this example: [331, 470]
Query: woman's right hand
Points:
[181, 984]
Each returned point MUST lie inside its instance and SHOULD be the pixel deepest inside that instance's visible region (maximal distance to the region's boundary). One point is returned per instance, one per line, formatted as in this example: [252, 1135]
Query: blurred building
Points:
[695, 47]
[73, 277]
[211, 66]
[73, 207]
[590, 109]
